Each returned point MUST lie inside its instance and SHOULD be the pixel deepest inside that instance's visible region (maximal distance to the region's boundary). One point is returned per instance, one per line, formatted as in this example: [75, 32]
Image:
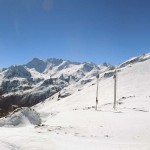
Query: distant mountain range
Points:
[34, 82]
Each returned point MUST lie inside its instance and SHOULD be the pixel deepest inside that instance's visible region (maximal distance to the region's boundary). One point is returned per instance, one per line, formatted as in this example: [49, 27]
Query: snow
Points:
[135, 60]
[21, 117]
[17, 71]
[38, 64]
[73, 123]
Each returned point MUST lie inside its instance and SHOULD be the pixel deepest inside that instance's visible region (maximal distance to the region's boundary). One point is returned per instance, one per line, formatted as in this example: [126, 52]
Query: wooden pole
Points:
[97, 91]
[115, 88]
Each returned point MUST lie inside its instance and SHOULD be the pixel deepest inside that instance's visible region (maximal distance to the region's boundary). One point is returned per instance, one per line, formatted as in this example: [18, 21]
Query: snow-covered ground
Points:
[73, 124]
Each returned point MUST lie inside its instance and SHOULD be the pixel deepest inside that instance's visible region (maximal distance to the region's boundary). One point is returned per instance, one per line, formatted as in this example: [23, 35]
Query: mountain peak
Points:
[17, 71]
[38, 64]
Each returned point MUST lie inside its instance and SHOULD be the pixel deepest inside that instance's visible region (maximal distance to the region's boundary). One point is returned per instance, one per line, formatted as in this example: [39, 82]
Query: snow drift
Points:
[21, 117]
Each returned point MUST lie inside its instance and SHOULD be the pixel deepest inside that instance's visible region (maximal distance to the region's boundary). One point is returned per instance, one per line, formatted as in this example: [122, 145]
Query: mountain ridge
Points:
[31, 83]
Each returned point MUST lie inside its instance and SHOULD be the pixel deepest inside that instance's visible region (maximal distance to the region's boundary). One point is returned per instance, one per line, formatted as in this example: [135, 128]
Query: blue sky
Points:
[79, 30]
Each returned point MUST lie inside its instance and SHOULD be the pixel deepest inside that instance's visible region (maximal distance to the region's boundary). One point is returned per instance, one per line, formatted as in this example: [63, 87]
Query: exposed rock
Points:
[17, 71]
[38, 64]
[86, 81]
[108, 74]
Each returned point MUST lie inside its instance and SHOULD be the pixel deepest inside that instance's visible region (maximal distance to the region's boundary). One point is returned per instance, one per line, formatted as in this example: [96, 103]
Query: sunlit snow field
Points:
[73, 124]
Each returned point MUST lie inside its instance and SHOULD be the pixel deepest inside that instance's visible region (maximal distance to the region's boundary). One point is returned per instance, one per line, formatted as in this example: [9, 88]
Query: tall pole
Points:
[97, 76]
[115, 88]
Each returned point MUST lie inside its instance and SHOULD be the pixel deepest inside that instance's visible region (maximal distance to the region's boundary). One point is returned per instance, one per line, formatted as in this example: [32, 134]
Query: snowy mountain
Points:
[29, 84]
[67, 115]
[17, 71]
[37, 64]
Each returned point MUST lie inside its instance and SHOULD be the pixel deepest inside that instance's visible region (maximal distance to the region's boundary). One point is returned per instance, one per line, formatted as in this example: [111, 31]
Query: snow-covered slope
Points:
[135, 60]
[127, 128]
[73, 123]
